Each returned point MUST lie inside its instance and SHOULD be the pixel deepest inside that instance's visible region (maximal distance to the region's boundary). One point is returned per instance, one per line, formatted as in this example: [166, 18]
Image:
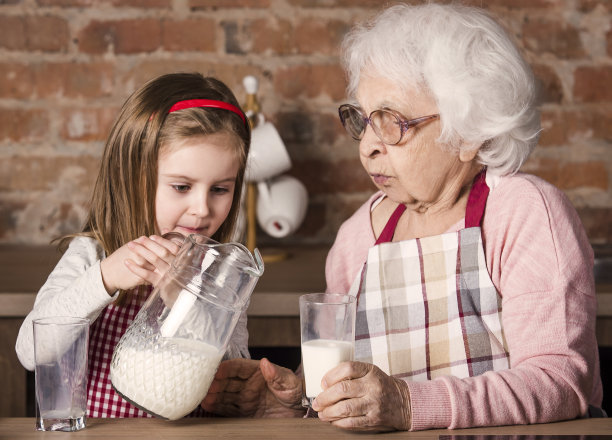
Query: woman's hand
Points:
[360, 396]
[141, 261]
[250, 388]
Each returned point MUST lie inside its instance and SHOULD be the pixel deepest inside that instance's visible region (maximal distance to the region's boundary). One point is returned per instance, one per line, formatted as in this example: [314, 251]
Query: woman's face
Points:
[417, 171]
[196, 183]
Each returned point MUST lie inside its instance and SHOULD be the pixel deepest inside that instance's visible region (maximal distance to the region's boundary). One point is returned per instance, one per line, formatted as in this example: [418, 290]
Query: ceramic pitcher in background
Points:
[167, 358]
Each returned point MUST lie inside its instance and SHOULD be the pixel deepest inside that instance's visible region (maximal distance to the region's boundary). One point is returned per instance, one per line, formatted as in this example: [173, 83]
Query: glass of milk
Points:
[327, 322]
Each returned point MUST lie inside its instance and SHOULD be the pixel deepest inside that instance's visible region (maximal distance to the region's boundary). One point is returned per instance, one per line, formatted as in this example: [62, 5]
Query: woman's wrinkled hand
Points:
[359, 396]
[250, 388]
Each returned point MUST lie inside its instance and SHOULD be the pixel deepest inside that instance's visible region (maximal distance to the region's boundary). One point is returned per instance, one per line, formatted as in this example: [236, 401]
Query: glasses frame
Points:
[404, 124]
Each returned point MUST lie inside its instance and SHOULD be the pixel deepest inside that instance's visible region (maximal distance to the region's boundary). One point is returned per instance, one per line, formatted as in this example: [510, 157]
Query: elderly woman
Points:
[476, 301]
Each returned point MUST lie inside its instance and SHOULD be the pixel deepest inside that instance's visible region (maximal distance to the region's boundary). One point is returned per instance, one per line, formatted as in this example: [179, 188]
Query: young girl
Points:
[174, 161]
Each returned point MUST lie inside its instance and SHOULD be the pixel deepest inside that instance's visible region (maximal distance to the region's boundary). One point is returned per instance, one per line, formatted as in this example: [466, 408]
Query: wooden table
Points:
[253, 429]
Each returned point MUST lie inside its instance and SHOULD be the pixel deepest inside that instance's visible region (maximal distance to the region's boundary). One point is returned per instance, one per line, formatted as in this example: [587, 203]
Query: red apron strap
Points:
[477, 201]
[387, 233]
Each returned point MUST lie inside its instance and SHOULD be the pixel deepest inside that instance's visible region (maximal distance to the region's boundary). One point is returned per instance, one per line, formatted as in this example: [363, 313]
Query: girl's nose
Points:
[199, 206]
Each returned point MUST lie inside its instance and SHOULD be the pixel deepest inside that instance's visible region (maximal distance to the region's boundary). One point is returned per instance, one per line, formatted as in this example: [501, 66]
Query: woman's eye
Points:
[181, 188]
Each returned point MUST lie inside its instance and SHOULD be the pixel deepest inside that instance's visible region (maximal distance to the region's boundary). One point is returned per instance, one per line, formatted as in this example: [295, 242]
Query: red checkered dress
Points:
[104, 334]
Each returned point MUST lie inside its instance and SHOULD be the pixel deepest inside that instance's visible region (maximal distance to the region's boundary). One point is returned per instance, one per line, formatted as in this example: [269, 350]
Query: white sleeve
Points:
[74, 288]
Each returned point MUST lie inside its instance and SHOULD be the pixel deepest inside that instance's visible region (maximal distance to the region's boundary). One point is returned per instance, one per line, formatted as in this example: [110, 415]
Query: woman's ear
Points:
[468, 151]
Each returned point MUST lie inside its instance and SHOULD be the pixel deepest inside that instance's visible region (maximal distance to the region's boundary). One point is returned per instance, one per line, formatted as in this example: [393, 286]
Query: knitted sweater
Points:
[541, 263]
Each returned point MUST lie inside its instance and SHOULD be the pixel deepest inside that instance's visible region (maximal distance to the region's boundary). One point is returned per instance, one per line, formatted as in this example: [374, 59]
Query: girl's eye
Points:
[219, 190]
[181, 188]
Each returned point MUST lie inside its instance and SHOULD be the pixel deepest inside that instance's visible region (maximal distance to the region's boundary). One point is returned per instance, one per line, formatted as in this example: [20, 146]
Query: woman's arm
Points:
[74, 288]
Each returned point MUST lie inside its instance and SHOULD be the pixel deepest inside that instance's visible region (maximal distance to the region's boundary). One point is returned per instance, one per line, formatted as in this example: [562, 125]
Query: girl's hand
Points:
[360, 396]
[141, 261]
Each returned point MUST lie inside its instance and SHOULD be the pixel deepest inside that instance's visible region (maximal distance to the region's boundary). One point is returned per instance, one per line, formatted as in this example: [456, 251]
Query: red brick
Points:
[124, 36]
[549, 84]
[73, 79]
[313, 222]
[377, 4]
[16, 81]
[307, 133]
[223, 4]
[516, 4]
[146, 4]
[320, 36]
[230, 74]
[547, 36]
[311, 81]
[87, 124]
[35, 173]
[44, 33]
[9, 210]
[597, 222]
[189, 35]
[118, 3]
[589, 5]
[274, 36]
[13, 35]
[572, 175]
[47, 33]
[592, 84]
[23, 125]
[67, 3]
[566, 126]
[322, 177]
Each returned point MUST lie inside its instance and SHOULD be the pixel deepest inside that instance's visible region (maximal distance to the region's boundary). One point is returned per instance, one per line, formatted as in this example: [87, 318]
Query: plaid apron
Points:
[427, 306]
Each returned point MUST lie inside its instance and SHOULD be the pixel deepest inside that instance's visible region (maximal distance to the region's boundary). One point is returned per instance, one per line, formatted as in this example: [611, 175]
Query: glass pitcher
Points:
[167, 358]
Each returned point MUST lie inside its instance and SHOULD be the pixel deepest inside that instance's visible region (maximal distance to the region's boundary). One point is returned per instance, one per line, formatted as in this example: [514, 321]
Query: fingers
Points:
[237, 368]
[372, 401]
[156, 250]
[345, 371]
[337, 393]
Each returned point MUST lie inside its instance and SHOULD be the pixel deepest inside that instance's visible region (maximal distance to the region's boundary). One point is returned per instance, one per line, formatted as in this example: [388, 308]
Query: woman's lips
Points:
[379, 179]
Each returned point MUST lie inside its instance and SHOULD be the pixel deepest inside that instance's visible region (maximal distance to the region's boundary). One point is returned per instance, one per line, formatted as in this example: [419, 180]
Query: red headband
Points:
[190, 103]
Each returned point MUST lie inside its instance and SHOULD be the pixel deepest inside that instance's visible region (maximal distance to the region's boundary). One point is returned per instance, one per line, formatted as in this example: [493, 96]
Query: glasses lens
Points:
[387, 126]
[353, 122]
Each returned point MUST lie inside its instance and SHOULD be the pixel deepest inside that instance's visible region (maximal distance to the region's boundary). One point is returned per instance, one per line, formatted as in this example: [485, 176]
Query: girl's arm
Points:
[74, 288]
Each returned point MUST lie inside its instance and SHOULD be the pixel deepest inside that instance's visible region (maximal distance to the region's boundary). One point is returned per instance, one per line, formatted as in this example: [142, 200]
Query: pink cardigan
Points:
[541, 263]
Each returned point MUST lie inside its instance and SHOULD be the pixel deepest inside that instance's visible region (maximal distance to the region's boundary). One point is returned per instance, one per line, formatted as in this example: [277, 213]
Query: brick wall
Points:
[67, 65]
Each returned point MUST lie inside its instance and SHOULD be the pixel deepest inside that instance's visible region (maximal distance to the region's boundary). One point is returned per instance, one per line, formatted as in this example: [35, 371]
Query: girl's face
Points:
[195, 184]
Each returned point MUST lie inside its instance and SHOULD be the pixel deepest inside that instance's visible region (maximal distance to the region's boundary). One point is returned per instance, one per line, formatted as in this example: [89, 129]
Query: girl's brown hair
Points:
[122, 206]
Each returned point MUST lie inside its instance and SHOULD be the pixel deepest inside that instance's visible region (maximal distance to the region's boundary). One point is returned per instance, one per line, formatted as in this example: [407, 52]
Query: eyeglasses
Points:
[387, 124]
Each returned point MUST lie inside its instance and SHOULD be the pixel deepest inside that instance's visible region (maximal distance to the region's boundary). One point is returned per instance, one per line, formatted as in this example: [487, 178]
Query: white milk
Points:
[318, 357]
[168, 383]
